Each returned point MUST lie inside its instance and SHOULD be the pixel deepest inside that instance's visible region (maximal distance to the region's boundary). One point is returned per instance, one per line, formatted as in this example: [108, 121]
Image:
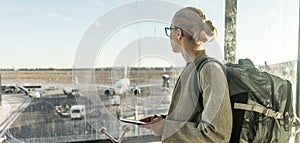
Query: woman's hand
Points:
[156, 125]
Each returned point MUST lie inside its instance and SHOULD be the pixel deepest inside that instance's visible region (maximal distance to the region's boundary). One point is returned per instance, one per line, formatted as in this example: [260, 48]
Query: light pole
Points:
[297, 139]
[0, 92]
[230, 31]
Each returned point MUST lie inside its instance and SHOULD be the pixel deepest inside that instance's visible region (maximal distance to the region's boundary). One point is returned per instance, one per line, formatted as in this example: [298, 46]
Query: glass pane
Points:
[58, 55]
[267, 33]
[82, 65]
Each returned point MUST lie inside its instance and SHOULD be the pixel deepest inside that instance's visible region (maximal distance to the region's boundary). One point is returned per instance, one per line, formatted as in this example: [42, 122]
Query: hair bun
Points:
[209, 28]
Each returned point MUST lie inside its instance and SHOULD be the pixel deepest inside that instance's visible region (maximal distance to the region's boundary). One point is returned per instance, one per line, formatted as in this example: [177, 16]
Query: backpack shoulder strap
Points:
[200, 65]
[206, 60]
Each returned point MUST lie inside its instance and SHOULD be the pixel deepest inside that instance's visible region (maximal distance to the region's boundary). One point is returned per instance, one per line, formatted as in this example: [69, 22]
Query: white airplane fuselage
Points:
[122, 86]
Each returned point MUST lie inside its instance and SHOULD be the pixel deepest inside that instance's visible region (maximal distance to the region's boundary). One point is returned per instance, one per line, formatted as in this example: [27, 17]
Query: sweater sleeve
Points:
[216, 118]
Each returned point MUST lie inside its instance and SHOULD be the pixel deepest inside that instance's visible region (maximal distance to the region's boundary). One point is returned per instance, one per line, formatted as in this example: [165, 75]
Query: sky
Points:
[49, 33]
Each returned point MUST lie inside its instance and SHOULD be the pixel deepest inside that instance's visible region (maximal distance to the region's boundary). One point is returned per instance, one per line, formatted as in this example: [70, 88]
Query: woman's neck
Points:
[187, 57]
[190, 52]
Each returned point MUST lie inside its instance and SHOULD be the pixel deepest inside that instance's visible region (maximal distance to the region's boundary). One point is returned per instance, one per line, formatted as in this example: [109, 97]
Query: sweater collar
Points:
[200, 57]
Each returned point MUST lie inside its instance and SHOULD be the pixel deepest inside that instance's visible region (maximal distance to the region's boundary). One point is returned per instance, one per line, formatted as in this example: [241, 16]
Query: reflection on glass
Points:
[43, 40]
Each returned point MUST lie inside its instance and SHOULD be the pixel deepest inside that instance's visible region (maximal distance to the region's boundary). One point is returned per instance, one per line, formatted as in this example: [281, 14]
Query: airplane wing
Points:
[165, 78]
[138, 89]
[147, 85]
[102, 86]
[95, 85]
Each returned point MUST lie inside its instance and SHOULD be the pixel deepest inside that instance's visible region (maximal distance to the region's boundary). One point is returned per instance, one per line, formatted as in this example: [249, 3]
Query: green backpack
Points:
[261, 103]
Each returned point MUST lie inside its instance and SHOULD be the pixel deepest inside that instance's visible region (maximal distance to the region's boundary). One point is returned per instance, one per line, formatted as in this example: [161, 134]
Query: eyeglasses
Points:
[168, 30]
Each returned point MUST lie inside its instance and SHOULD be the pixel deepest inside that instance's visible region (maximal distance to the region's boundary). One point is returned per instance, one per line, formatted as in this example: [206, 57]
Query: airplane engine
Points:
[136, 91]
[109, 91]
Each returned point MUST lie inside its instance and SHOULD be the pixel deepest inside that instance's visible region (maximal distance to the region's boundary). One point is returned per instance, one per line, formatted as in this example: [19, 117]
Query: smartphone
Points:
[137, 122]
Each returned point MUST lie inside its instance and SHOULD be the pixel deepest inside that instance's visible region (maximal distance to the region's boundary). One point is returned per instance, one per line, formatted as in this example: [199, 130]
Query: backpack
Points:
[261, 103]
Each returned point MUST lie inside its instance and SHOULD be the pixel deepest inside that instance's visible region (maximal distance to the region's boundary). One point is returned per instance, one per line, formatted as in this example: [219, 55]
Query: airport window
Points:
[69, 72]
[256, 40]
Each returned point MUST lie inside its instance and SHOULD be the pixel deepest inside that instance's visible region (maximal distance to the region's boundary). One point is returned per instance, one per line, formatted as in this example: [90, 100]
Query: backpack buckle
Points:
[271, 113]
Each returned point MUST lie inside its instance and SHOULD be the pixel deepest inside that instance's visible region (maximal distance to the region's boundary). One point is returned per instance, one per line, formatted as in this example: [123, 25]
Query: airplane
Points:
[123, 86]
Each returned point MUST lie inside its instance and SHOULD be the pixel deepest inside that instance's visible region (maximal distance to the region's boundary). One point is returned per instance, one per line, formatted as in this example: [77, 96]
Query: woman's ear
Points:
[179, 34]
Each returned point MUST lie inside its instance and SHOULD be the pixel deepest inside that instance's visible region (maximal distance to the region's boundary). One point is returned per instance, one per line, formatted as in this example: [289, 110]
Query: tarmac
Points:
[10, 103]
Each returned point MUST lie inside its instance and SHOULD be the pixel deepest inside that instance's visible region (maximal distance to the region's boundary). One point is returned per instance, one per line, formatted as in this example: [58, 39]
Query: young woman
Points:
[200, 109]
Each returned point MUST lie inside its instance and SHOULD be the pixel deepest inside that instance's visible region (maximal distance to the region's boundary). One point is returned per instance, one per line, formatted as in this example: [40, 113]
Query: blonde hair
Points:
[193, 21]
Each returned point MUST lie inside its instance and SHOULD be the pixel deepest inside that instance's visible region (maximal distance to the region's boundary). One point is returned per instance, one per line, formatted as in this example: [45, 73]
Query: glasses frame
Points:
[172, 28]
[169, 29]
